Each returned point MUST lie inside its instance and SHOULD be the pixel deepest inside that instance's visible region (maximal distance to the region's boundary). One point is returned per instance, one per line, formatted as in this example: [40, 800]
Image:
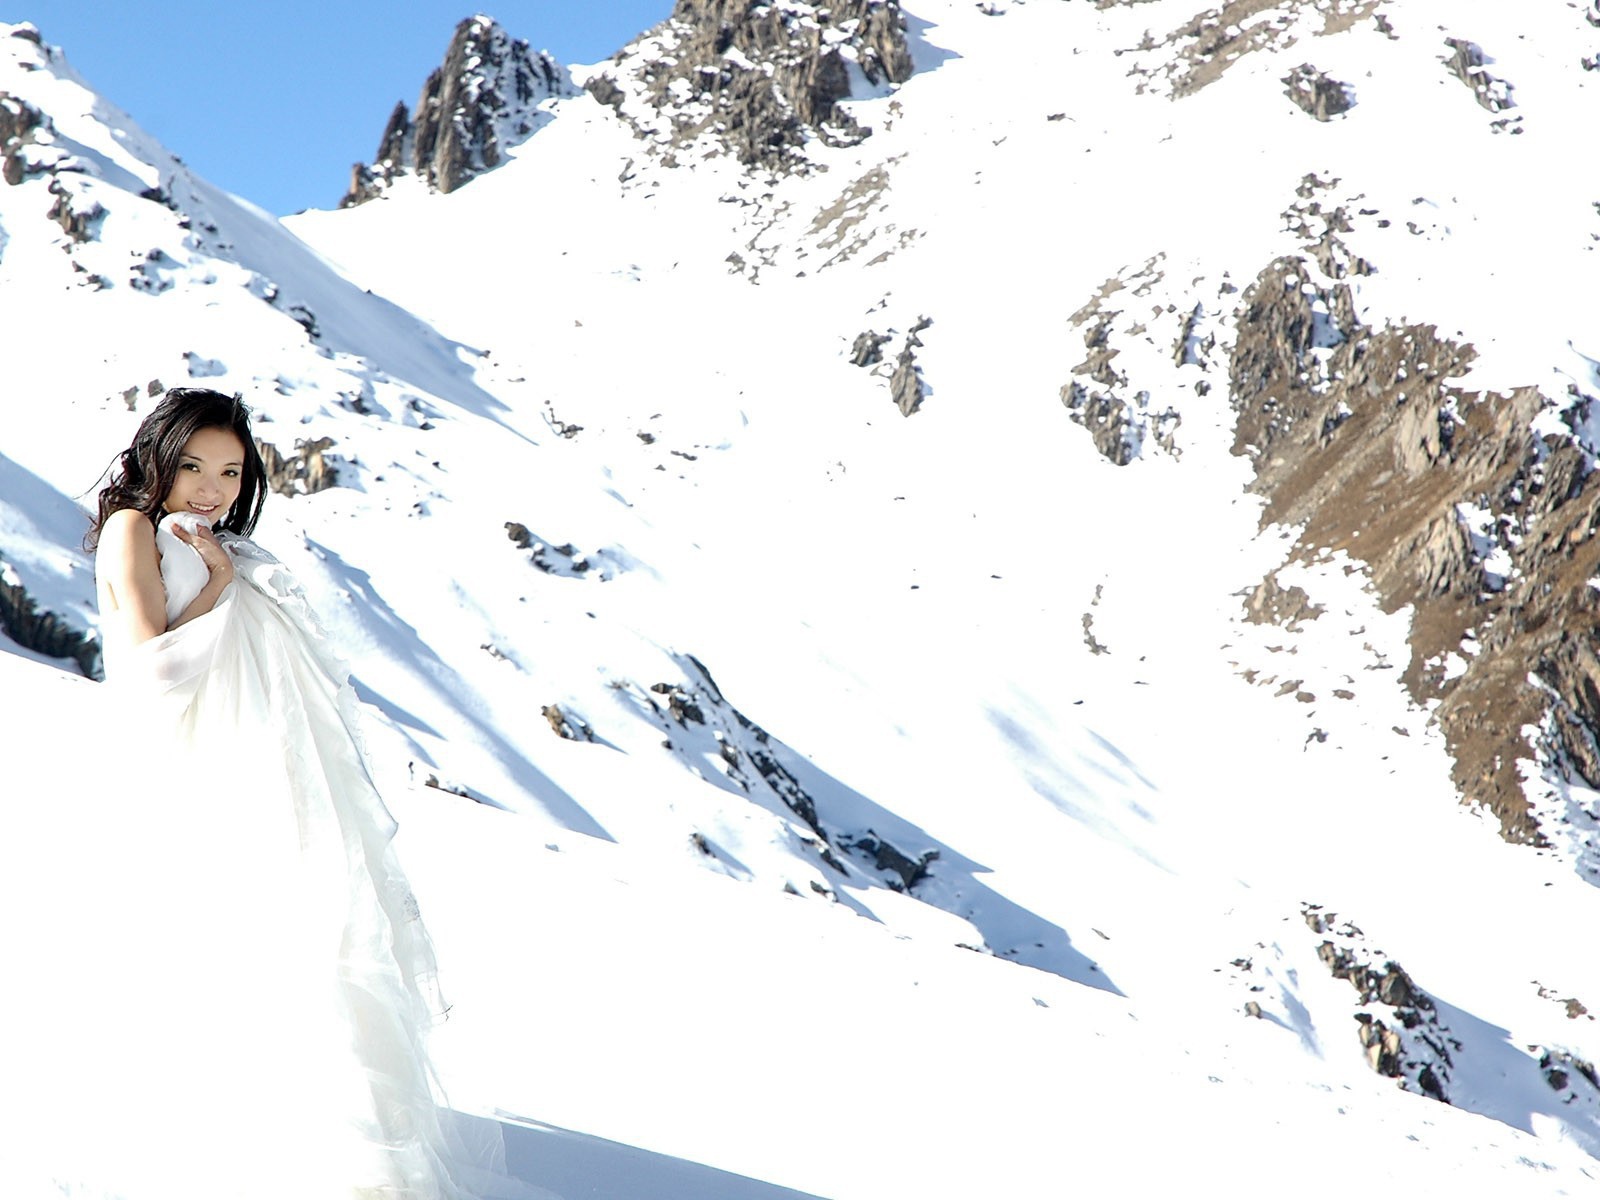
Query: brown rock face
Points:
[1474, 511]
[482, 100]
[1456, 507]
[762, 80]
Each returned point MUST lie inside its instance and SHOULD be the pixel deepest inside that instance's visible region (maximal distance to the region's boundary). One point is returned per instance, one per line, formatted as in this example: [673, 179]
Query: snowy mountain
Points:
[989, 598]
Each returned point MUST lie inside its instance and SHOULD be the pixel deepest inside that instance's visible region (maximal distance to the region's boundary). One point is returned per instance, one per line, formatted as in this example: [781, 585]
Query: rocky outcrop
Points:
[1456, 506]
[905, 384]
[759, 80]
[867, 349]
[485, 99]
[19, 122]
[1316, 94]
[309, 469]
[43, 632]
[1466, 62]
[700, 726]
[1397, 1023]
[79, 224]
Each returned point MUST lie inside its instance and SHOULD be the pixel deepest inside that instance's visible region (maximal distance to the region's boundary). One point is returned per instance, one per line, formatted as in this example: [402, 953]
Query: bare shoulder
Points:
[127, 534]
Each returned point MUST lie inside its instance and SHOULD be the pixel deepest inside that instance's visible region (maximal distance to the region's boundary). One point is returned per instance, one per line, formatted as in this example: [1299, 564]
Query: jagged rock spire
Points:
[482, 100]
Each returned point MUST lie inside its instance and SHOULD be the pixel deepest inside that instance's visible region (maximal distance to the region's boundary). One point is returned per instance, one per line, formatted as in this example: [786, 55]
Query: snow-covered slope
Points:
[1024, 794]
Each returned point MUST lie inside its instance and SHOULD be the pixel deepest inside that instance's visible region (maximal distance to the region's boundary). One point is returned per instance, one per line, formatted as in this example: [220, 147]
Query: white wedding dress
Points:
[221, 984]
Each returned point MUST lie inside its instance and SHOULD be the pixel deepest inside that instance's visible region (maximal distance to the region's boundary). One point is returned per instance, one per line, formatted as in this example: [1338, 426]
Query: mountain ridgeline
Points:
[750, 79]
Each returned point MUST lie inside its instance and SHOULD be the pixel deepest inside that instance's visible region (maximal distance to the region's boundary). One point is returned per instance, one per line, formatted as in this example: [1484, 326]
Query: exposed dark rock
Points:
[868, 348]
[1467, 63]
[28, 34]
[151, 274]
[553, 558]
[604, 89]
[567, 725]
[306, 319]
[310, 469]
[1559, 1067]
[905, 385]
[761, 79]
[1315, 93]
[80, 225]
[19, 121]
[483, 100]
[42, 631]
[680, 703]
[1413, 1045]
[889, 859]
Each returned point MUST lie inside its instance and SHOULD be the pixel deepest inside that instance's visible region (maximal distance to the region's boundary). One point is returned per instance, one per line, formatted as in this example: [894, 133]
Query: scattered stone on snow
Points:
[1200, 51]
[1316, 94]
[562, 559]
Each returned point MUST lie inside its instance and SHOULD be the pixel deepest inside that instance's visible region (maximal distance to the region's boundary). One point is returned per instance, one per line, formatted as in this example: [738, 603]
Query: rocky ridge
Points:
[489, 95]
[755, 80]
[1473, 510]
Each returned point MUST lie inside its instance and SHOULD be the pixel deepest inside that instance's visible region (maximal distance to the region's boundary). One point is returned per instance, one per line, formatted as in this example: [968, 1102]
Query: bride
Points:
[244, 1012]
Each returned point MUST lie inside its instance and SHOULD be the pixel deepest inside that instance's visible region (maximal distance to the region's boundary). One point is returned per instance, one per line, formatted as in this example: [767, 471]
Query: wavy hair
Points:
[143, 475]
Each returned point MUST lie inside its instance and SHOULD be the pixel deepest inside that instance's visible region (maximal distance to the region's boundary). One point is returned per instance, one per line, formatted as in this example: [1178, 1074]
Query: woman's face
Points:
[210, 473]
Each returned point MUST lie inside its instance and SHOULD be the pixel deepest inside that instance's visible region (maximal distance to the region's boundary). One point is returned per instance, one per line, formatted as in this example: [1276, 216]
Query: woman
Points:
[270, 1041]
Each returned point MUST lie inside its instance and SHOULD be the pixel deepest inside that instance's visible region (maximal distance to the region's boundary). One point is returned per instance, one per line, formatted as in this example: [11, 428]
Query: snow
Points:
[902, 603]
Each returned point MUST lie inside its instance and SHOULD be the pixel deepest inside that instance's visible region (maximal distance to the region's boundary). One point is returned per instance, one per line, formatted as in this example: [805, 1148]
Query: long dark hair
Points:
[142, 476]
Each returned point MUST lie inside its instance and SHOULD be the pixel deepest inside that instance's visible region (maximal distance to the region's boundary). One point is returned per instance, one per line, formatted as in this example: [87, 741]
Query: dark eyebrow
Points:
[232, 462]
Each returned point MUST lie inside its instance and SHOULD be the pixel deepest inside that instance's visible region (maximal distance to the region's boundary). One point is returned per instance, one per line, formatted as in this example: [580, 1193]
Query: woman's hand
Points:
[210, 551]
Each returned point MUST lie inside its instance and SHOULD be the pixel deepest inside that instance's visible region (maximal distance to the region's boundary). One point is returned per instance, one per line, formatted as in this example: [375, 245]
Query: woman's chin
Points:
[190, 517]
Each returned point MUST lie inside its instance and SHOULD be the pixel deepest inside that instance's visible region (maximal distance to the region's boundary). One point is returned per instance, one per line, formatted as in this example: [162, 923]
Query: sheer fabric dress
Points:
[229, 984]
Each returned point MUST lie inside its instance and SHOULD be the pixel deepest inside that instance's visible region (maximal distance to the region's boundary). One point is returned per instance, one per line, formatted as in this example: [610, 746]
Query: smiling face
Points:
[210, 472]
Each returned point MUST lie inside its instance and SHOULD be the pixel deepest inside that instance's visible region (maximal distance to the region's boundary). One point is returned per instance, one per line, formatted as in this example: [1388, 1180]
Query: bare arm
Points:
[130, 565]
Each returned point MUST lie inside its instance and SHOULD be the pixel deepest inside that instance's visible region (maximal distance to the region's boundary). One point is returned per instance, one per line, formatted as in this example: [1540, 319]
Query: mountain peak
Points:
[485, 98]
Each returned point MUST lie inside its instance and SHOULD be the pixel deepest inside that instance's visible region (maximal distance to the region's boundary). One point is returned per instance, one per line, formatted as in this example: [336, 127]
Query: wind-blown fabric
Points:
[242, 1009]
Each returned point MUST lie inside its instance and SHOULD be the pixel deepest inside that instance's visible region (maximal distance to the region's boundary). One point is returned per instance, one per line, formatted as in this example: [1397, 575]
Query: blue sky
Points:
[274, 101]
